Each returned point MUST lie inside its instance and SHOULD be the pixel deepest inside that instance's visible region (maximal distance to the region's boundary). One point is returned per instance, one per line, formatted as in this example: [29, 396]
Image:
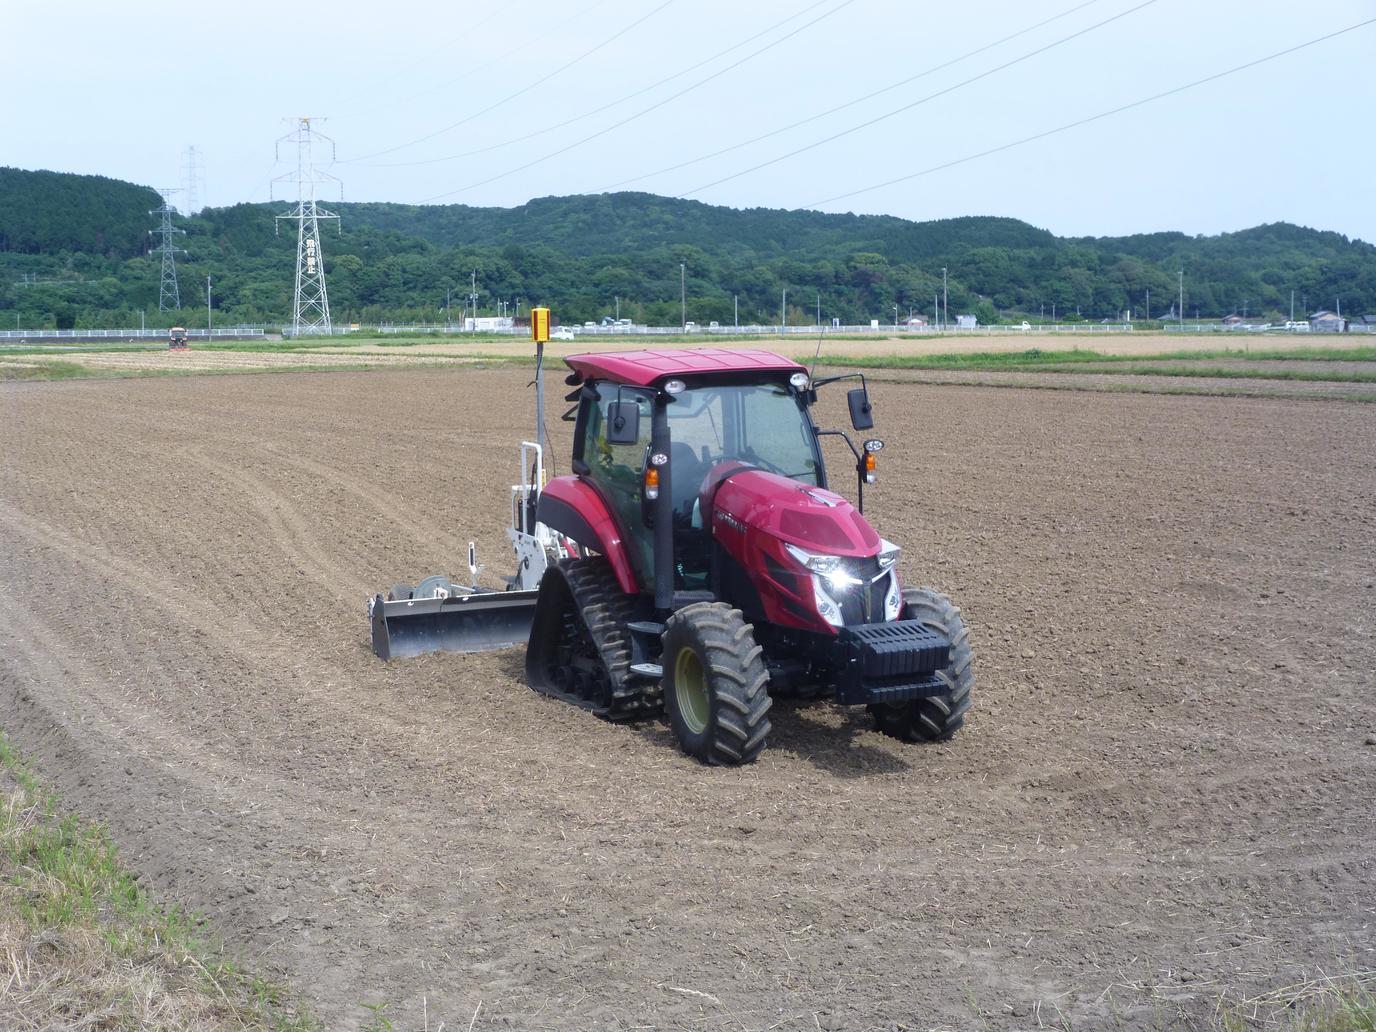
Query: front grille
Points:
[863, 603]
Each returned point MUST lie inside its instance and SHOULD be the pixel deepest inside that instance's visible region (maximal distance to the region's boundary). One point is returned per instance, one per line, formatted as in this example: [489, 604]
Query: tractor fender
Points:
[573, 507]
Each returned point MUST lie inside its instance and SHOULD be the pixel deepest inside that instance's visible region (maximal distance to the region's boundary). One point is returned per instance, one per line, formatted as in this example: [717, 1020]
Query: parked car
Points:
[562, 333]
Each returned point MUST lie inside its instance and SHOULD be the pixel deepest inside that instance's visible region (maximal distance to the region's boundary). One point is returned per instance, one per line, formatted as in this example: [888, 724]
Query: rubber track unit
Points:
[737, 680]
[585, 656]
[938, 718]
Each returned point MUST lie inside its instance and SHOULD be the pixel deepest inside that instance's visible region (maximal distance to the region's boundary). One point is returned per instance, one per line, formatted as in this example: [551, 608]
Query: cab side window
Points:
[615, 469]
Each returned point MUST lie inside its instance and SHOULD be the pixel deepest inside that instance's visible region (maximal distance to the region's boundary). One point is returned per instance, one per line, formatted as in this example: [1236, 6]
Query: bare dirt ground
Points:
[1163, 798]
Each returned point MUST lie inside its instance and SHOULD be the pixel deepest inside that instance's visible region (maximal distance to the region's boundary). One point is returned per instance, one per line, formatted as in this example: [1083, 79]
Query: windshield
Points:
[764, 425]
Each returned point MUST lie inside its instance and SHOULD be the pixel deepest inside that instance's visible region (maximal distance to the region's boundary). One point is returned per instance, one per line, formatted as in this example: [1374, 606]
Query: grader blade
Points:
[475, 622]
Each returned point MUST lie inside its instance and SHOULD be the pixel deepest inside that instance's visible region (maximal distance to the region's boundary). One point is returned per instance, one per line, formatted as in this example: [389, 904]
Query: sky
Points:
[775, 103]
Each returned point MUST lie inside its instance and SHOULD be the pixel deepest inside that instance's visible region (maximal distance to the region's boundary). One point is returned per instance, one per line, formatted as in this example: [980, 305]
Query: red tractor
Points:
[695, 563]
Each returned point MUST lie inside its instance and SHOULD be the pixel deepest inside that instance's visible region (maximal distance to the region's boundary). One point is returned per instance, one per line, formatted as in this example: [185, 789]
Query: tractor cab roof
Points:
[645, 368]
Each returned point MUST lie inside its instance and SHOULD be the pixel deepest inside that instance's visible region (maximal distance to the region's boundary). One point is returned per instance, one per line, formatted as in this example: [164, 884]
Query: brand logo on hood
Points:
[729, 520]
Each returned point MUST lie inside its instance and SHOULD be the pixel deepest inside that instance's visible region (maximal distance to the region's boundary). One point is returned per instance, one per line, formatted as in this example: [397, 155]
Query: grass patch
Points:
[44, 371]
[1215, 372]
[1332, 1004]
[85, 944]
[1049, 361]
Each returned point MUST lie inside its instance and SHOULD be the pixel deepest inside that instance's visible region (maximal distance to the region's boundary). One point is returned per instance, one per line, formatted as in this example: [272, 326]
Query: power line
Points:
[615, 103]
[931, 96]
[858, 100]
[645, 111]
[1095, 118]
[446, 43]
[523, 90]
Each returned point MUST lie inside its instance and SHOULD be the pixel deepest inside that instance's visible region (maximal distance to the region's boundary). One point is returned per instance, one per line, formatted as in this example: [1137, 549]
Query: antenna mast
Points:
[310, 312]
[168, 297]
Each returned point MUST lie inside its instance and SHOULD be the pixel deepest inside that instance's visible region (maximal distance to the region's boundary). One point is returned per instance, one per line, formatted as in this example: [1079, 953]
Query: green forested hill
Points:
[49, 212]
[73, 251]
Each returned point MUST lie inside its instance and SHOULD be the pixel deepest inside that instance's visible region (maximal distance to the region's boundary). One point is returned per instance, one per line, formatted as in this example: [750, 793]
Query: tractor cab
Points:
[716, 425]
[660, 435]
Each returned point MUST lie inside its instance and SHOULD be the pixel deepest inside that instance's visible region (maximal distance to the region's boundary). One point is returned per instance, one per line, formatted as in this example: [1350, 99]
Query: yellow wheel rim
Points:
[690, 688]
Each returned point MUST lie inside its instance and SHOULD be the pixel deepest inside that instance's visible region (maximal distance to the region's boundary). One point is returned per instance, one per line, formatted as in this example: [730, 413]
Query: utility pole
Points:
[945, 301]
[169, 298]
[819, 308]
[473, 300]
[618, 308]
[736, 305]
[895, 318]
[207, 308]
[683, 294]
[1180, 315]
[310, 309]
[783, 311]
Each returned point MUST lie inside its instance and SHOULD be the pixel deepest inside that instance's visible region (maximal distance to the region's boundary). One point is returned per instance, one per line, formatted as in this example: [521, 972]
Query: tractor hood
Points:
[812, 518]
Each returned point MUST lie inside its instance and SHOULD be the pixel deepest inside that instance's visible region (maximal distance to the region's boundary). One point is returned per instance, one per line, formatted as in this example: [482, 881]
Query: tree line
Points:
[74, 251]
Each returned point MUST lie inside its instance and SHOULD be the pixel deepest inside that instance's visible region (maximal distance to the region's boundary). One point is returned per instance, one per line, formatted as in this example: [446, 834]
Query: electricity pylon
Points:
[168, 297]
[310, 310]
[194, 175]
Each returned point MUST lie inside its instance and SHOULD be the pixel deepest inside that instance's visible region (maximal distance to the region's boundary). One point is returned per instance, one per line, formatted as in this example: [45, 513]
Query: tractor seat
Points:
[686, 473]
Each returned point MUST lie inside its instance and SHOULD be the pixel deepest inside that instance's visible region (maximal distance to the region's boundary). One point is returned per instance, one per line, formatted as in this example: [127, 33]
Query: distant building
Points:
[916, 322]
[1232, 320]
[1366, 323]
[1327, 322]
[966, 322]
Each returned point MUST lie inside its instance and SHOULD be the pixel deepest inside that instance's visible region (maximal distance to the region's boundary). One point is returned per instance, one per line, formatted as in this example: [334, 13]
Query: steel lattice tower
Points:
[310, 312]
[168, 297]
[194, 176]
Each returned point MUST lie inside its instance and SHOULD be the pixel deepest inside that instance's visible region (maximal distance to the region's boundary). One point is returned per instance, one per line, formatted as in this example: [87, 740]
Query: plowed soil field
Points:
[1162, 800]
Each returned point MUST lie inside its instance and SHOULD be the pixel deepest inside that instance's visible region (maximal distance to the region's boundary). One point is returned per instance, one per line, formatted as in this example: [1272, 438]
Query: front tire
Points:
[716, 687]
[938, 718]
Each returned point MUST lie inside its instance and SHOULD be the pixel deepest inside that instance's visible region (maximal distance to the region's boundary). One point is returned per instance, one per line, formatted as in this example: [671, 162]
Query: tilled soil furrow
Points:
[1162, 796]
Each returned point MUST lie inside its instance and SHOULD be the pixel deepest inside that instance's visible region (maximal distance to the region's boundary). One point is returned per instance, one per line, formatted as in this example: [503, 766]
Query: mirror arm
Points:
[859, 466]
[843, 376]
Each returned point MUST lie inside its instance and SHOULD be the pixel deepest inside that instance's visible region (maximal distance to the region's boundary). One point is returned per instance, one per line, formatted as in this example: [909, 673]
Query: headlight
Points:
[888, 554]
[831, 568]
[893, 598]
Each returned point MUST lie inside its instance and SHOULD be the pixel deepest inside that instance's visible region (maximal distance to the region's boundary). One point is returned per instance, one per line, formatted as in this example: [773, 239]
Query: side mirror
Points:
[861, 411]
[623, 422]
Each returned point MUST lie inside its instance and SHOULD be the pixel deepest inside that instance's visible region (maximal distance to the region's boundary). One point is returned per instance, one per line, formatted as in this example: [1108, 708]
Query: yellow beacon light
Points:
[539, 325]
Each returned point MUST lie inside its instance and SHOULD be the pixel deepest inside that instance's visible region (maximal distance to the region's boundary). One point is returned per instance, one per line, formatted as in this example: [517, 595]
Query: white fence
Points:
[19, 338]
[134, 336]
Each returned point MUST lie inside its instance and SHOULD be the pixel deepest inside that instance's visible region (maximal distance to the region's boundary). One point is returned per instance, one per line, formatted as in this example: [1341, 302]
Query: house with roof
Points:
[1324, 321]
